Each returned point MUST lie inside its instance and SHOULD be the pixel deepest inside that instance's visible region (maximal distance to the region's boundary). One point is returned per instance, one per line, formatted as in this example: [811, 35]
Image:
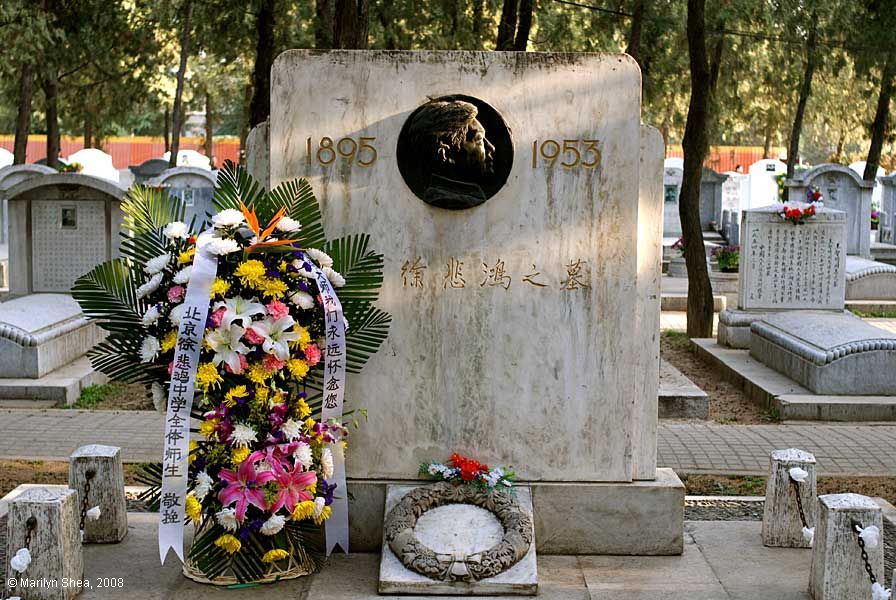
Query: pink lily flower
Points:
[245, 486]
[293, 485]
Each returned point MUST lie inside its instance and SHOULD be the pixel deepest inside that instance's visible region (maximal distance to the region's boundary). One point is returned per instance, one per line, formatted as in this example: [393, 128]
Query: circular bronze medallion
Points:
[455, 152]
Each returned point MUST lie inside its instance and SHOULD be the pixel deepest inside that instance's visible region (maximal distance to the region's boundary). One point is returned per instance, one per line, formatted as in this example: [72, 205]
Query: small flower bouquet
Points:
[70, 167]
[800, 212]
[260, 471]
[875, 218]
[728, 258]
[461, 469]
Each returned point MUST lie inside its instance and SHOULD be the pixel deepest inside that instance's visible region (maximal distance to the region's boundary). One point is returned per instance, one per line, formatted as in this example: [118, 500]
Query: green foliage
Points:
[94, 394]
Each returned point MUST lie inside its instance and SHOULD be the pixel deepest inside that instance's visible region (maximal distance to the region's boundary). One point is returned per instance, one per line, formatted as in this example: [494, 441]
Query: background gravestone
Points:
[671, 189]
[61, 226]
[9, 177]
[511, 320]
[763, 183]
[195, 187]
[859, 168]
[711, 198]
[842, 190]
[190, 158]
[888, 210]
[96, 163]
[148, 169]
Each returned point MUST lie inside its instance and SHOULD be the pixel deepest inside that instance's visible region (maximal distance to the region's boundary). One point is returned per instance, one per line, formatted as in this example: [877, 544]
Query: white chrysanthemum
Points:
[798, 475]
[809, 535]
[150, 286]
[242, 435]
[229, 217]
[291, 430]
[94, 513]
[303, 455]
[302, 300]
[302, 271]
[20, 560]
[150, 316]
[320, 257]
[220, 246]
[204, 484]
[326, 463]
[149, 348]
[176, 230]
[287, 225]
[319, 504]
[183, 276]
[435, 469]
[227, 519]
[335, 278]
[273, 525]
[871, 536]
[158, 397]
[879, 592]
[177, 313]
[157, 264]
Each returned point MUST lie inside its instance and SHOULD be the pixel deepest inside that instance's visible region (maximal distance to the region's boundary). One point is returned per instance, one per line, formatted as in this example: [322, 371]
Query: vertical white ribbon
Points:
[333, 396]
[175, 460]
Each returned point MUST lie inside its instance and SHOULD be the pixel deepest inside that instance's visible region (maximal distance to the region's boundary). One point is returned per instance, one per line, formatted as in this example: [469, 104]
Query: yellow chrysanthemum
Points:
[298, 368]
[207, 429]
[251, 272]
[323, 516]
[344, 445]
[220, 288]
[282, 266]
[272, 288]
[312, 489]
[257, 374]
[238, 455]
[169, 340]
[229, 543]
[237, 391]
[261, 395]
[304, 409]
[304, 337]
[274, 555]
[309, 423]
[207, 376]
[186, 256]
[303, 510]
[193, 508]
[192, 445]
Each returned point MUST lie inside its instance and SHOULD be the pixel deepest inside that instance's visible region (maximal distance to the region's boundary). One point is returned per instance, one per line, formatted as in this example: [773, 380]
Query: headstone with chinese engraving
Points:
[502, 189]
[195, 187]
[671, 189]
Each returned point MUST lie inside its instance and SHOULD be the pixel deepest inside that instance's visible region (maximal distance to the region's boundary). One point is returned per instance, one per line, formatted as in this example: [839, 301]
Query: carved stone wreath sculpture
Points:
[415, 556]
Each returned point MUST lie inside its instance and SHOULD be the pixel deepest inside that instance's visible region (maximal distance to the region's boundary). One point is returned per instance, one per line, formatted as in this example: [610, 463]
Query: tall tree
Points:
[881, 117]
[177, 110]
[524, 26]
[323, 24]
[23, 117]
[696, 145]
[793, 150]
[507, 27]
[351, 24]
[51, 99]
[264, 60]
[634, 37]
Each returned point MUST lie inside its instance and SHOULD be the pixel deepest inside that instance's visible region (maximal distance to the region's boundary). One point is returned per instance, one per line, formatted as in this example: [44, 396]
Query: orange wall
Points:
[726, 158]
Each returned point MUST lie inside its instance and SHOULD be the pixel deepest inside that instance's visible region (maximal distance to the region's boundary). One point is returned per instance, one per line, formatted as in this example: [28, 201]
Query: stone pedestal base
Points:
[781, 524]
[100, 466]
[677, 267]
[642, 518]
[869, 280]
[734, 327]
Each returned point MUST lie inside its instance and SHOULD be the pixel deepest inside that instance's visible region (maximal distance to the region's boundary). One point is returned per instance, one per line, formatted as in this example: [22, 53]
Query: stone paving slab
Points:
[841, 449]
[679, 397]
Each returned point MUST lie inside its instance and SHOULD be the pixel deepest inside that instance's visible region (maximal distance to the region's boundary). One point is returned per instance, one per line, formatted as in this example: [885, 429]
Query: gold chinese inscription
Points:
[569, 154]
[359, 152]
[412, 273]
[573, 275]
[454, 277]
[495, 276]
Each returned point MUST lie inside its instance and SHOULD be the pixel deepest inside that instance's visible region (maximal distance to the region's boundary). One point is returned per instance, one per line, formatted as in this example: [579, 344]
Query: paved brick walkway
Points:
[686, 447]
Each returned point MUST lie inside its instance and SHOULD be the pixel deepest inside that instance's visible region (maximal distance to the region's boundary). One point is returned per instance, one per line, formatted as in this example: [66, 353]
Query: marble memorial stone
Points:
[787, 266]
[842, 190]
[763, 185]
[671, 189]
[258, 158]
[9, 177]
[61, 226]
[511, 319]
[711, 184]
[887, 225]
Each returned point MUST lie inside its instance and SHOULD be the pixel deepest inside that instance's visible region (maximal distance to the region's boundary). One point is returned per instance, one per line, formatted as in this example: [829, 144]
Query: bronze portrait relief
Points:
[455, 152]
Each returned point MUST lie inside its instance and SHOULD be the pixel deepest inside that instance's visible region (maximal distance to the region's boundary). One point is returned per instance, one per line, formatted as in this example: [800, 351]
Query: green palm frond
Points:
[141, 248]
[298, 199]
[362, 268]
[367, 332]
[108, 295]
[119, 358]
[235, 185]
[147, 208]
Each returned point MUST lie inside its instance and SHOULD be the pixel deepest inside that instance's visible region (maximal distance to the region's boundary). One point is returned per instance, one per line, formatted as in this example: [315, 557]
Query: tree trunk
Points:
[695, 145]
[167, 132]
[634, 36]
[386, 20]
[323, 24]
[840, 142]
[209, 130]
[524, 26]
[351, 23]
[51, 95]
[793, 149]
[244, 121]
[767, 141]
[478, 18]
[23, 117]
[88, 130]
[507, 26]
[179, 91]
[264, 58]
[881, 116]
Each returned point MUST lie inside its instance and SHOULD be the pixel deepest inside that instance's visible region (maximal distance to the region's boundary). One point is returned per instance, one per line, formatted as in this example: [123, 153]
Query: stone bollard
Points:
[45, 521]
[782, 525]
[96, 473]
[838, 571]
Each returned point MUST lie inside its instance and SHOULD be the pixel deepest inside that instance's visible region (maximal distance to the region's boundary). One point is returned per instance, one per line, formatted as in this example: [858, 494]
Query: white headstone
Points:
[96, 163]
[10, 176]
[859, 168]
[887, 224]
[511, 319]
[762, 183]
[671, 189]
[6, 157]
[673, 162]
[190, 158]
[787, 266]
